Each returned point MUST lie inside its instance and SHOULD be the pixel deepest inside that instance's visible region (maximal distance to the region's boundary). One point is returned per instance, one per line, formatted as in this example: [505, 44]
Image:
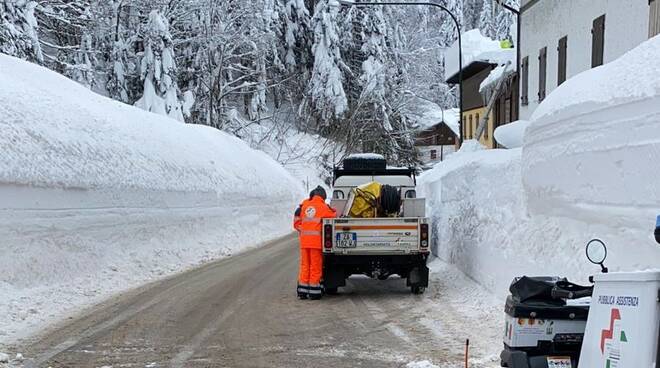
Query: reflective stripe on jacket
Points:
[312, 211]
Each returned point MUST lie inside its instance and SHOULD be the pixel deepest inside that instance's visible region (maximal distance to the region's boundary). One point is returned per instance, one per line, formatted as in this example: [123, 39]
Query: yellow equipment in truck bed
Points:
[363, 200]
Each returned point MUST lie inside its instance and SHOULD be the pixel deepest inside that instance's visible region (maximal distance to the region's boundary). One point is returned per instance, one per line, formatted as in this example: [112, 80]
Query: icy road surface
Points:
[242, 312]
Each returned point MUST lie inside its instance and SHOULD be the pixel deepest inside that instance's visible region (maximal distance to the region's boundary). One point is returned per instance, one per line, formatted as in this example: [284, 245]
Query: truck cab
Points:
[379, 246]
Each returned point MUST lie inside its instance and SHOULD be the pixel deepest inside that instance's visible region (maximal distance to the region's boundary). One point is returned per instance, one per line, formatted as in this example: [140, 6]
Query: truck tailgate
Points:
[375, 235]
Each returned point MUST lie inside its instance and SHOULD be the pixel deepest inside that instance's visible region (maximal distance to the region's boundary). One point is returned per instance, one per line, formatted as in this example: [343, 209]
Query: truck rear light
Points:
[327, 236]
[424, 235]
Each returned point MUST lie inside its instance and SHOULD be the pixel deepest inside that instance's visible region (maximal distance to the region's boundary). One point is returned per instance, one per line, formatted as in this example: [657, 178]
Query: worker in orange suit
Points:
[308, 221]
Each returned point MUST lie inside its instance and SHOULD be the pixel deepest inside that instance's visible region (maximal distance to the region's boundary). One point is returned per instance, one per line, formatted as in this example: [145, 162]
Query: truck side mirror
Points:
[657, 229]
[597, 253]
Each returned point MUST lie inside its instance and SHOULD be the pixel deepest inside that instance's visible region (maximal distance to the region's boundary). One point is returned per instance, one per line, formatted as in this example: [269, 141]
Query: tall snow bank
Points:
[475, 202]
[593, 147]
[588, 168]
[98, 196]
[481, 224]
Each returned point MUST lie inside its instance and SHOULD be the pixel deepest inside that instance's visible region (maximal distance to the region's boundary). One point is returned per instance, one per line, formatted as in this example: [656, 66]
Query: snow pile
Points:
[588, 168]
[607, 172]
[98, 196]
[477, 47]
[511, 135]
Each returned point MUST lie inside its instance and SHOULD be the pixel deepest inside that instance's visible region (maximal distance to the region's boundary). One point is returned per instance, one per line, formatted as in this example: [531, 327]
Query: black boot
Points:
[315, 292]
[303, 291]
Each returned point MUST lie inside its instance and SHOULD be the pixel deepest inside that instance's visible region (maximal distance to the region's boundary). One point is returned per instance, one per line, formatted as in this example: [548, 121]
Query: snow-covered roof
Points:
[494, 76]
[425, 114]
[476, 48]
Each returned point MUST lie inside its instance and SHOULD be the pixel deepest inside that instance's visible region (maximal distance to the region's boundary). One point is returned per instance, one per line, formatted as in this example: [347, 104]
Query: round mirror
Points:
[596, 251]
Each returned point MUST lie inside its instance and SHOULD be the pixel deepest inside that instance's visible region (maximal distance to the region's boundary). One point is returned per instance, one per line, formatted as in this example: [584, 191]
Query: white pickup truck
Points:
[376, 247]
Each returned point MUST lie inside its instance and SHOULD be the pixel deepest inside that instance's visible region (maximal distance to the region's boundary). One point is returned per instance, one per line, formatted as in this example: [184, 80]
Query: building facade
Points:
[562, 38]
[435, 143]
[504, 110]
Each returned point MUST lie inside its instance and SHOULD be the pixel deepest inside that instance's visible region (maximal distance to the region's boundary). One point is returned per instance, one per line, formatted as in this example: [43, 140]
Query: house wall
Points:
[470, 126]
[441, 151]
[544, 22]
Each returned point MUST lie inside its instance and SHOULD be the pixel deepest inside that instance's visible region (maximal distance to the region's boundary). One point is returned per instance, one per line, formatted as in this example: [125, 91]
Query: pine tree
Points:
[471, 11]
[326, 89]
[82, 67]
[18, 30]
[448, 31]
[504, 21]
[158, 70]
[296, 23]
[116, 85]
[486, 20]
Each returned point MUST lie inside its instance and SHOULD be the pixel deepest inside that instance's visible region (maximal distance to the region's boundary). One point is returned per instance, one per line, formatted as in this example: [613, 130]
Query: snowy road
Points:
[242, 312]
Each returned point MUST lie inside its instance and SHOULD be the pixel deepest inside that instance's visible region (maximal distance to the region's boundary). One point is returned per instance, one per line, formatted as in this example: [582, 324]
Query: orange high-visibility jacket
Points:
[308, 220]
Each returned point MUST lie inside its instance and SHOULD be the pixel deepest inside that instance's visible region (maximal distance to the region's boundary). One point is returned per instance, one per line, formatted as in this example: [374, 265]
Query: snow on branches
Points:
[158, 70]
[326, 88]
[18, 30]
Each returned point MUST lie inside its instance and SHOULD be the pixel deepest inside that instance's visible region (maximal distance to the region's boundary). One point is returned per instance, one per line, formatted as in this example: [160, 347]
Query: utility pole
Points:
[460, 46]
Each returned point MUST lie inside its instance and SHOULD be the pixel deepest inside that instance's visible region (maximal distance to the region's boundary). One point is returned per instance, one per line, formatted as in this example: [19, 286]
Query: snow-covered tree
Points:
[81, 69]
[116, 85]
[296, 23]
[158, 70]
[448, 31]
[326, 89]
[505, 21]
[18, 30]
[486, 21]
[374, 69]
[471, 12]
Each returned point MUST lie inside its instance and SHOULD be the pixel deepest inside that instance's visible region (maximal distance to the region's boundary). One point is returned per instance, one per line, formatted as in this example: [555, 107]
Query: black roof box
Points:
[364, 161]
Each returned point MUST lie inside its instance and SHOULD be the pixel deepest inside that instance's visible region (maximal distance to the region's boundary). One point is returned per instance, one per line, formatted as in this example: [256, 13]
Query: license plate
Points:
[346, 240]
[559, 362]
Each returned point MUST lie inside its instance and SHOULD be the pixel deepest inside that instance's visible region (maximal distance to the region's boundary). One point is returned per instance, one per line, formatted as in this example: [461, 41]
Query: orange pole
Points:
[467, 352]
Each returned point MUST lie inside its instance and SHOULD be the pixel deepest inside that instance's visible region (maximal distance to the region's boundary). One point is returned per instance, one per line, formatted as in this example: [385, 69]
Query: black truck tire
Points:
[332, 291]
[417, 290]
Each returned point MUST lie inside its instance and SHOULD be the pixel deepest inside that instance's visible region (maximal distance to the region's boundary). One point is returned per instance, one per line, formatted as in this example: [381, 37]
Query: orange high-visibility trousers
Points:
[311, 271]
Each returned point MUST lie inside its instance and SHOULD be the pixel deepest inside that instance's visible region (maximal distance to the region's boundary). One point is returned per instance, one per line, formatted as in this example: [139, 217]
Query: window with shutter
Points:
[654, 18]
[543, 64]
[598, 41]
[561, 63]
[471, 128]
[524, 98]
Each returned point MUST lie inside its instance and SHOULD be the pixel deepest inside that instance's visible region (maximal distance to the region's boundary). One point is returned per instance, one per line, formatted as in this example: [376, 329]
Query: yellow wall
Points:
[470, 130]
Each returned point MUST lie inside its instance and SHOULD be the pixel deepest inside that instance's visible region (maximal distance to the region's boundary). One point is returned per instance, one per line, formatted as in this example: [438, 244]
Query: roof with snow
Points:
[479, 52]
[426, 114]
